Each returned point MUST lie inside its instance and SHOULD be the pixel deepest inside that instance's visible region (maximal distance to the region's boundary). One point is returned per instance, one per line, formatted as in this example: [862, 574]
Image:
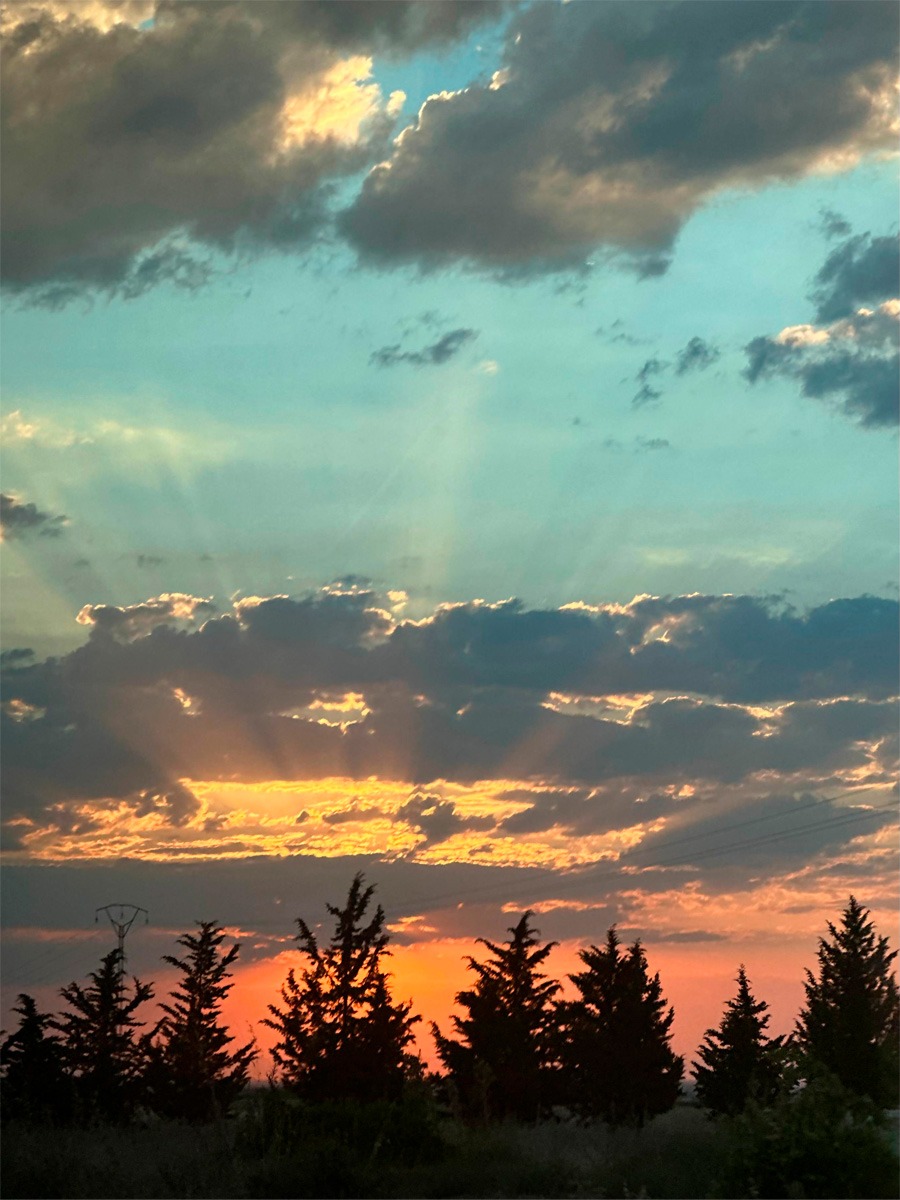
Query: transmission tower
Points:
[122, 917]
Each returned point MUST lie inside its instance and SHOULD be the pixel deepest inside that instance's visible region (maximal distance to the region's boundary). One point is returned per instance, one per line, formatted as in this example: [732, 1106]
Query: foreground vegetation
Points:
[273, 1147]
[538, 1097]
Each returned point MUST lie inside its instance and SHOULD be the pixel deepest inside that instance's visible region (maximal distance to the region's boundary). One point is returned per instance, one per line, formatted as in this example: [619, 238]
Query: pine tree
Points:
[194, 1074]
[851, 1021]
[341, 1034]
[101, 1053]
[738, 1061]
[618, 1062]
[34, 1086]
[503, 1062]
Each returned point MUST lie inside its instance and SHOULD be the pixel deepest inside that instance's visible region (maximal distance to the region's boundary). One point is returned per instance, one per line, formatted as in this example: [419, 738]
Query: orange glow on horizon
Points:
[696, 981]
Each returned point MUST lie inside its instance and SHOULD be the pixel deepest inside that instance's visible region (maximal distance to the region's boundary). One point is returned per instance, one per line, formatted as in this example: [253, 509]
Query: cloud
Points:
[607, 715]
[616, 333]
[852, 362]
[9, 658]
[860, 271]
[762, 834]
[40, 443]
[640, 445]
[439, 352]
[120, 122]
[608, 125]
[437, 819]
[646, 393]
[697, 355]
[20, 520]
[833, 224]
[137, 620]
[356, 812]
[15, 428]
[177, 805]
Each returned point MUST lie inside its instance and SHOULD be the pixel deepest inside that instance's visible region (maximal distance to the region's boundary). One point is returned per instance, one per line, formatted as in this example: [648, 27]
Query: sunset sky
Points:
[455, 441]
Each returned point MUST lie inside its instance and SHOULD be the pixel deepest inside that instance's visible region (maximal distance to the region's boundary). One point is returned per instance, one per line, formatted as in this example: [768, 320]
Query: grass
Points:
[680, 1154]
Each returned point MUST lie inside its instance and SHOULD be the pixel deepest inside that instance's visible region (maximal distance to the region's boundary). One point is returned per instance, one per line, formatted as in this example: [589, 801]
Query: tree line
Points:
[516, 1049]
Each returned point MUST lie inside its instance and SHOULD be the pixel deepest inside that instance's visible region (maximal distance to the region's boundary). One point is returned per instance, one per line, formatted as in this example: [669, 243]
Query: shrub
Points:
[821, 1141]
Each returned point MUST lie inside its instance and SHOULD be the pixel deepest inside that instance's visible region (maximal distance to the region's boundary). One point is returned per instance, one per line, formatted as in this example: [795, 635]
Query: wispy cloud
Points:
[439, 352]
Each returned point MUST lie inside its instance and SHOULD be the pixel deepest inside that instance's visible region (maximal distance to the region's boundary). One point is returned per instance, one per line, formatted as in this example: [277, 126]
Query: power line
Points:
[122, 917]
[577, 874]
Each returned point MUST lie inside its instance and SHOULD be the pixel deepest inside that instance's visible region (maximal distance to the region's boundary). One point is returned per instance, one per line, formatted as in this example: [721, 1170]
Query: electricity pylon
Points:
[122, 917]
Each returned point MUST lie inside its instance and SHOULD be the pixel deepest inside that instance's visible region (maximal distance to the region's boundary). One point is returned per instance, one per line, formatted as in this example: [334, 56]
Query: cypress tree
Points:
[618, 1062]
[341, 1035]
[503, 1061]
[195, 1075]
[738, 1061]
[102, 1054]
[851, 1020]
[33, 1085]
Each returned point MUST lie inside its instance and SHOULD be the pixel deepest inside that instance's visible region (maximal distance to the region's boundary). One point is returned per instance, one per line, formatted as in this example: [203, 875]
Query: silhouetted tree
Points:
[618, 1062]
[340, 1034]
[101, 1052]
[33, 1084]
[851, 1021]
[503, 1062]
[738, 1061]
[194, 1074]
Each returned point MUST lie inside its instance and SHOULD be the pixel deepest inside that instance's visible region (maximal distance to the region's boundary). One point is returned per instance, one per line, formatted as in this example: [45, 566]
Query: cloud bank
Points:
[484, 729]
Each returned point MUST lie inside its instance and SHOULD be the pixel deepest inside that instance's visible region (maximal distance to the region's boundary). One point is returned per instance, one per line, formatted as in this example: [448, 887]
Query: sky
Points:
[456, 442]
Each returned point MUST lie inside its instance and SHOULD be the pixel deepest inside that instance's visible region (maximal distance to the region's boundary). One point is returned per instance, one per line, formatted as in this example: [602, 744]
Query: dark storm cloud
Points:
[861, 271]
[439, 352]
[124, 137]
[609, 124]
[855, 366]
[19, 519]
